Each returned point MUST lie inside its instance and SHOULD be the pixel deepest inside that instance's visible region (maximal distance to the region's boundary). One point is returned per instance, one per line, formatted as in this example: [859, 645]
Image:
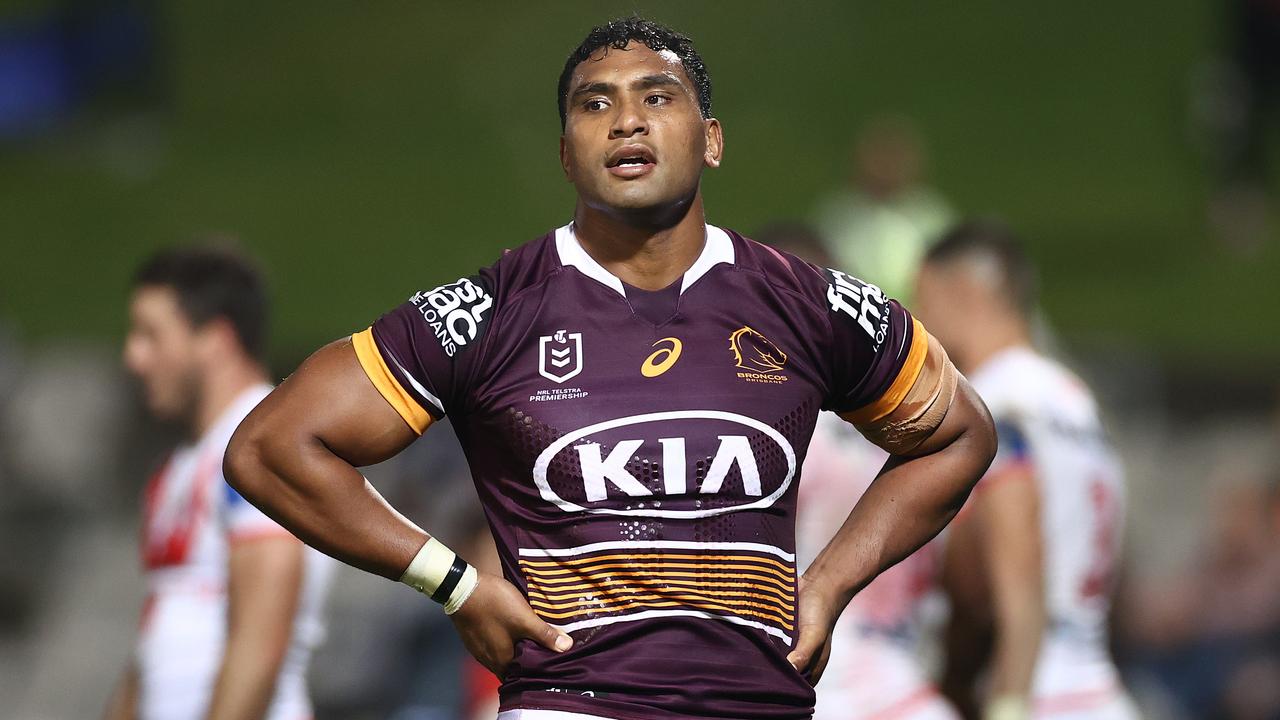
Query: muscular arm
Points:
[123, 704]
[1003, 546]
[1010, 516]
[910, 501]
[295, 457]
[265, 580]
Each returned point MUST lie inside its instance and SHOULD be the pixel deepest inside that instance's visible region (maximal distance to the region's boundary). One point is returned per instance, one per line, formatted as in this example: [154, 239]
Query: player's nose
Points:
[628, 121]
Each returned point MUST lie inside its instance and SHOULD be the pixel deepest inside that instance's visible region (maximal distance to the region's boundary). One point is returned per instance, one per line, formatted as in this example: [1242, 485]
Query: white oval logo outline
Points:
[541, 465]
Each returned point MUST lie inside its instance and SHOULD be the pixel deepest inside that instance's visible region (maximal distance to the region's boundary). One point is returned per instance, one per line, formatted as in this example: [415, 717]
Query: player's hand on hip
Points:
[818, 612]
[495, 618]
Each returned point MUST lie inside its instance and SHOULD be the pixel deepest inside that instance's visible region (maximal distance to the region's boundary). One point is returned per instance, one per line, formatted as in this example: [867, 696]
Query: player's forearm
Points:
[123, 704]
[322, 499]
[911, 500]
[1018, 632]
[1020, 616]
[1008, 514]
[247, 679]
[907, 505]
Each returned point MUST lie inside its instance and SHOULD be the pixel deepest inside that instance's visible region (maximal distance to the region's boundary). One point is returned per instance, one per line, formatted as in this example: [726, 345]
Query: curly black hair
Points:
[617, 33]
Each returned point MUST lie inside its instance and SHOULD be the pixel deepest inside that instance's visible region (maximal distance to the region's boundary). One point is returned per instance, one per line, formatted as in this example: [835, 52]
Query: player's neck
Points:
[646, 253]
[999, 334]
[220, 388]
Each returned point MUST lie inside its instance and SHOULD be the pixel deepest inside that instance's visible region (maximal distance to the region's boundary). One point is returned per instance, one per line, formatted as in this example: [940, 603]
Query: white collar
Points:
[717, 249]
[229, 419]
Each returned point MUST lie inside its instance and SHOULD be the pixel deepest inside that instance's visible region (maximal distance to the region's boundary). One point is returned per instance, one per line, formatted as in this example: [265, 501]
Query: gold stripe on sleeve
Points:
[901, 385]
[376, 368]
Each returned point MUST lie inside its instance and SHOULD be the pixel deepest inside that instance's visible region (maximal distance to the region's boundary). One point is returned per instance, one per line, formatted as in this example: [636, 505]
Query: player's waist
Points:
[1072, 665]
[185, 581]
[746, 584]
[1076, 634]
[662, 669]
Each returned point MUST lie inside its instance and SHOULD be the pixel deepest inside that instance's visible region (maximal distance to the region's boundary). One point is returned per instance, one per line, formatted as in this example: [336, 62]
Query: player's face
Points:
[635, 141]
[162, 351]
[940, 303]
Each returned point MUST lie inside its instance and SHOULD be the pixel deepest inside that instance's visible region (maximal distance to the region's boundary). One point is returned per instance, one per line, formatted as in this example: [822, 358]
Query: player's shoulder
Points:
[524, 266]
[1009, 379]
[781, 270]
[515, 270]
[461, 310]
[1029, 382]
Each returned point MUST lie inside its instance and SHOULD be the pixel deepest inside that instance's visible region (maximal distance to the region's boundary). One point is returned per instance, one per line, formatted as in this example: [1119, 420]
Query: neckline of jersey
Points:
[230, 417]
[717, 249]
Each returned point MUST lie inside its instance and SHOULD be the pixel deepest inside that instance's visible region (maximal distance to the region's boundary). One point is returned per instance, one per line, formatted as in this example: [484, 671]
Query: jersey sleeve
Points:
[1013, 454]
[877, 347]
[889, 377]
[243, 521]
[421, 354]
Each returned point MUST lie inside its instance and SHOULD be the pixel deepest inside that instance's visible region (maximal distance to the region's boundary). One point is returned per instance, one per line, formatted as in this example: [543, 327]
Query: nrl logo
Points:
[560, 356]
[754, 353]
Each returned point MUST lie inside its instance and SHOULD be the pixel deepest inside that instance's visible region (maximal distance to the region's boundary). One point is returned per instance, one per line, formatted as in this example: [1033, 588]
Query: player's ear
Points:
[564, 160]
[715, 143]
[217, 339]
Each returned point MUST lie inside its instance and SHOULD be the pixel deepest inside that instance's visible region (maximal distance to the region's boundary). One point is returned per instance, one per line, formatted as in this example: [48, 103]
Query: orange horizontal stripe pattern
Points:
[751, 587]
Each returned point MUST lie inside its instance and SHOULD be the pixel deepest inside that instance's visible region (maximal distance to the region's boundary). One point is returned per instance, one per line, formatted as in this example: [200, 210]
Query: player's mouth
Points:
[631, 161]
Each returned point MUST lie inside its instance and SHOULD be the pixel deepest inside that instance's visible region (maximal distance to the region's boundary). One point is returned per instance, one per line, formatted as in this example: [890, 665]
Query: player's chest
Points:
[179, 508]
[694, 413]
[575, 366]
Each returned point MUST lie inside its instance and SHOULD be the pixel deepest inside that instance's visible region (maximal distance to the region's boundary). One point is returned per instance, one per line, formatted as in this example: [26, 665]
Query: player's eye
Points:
[594, 105]
[656, 100]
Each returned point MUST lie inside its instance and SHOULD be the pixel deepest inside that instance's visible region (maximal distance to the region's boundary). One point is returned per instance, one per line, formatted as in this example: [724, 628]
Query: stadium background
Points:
[364, 151]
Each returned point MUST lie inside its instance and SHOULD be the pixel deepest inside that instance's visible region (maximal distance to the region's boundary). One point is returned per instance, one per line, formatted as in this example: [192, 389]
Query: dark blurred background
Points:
[367, 150]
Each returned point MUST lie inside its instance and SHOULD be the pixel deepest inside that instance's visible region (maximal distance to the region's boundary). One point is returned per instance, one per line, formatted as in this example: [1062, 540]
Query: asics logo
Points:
[661, 359]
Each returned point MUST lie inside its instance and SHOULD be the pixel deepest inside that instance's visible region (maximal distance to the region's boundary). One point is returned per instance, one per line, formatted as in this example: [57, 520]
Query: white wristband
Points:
[1007, 707]
[467, 585]
[438, 572]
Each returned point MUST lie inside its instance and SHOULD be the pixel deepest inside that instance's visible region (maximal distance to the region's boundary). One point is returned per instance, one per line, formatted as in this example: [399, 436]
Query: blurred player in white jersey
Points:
[233, 601]
[1033, 553]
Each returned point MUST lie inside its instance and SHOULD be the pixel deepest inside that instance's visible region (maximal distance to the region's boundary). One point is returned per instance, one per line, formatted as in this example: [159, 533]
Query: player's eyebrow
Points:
[603, 88]
[657, 80]
[643, 83]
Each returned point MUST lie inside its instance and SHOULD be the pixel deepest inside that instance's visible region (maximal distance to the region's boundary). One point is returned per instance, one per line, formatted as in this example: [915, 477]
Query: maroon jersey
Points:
[637, 454]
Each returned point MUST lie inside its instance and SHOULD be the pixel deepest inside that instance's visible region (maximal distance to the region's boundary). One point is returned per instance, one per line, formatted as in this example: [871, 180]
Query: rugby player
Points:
[233, 600]
[1033, 553]
[634, 392]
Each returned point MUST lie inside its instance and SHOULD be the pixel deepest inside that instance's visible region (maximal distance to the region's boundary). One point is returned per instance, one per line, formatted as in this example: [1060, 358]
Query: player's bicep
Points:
[964, 414]
[890, 378]
[264, 580]
[926, 406]
[331, 399]
[1009, 513]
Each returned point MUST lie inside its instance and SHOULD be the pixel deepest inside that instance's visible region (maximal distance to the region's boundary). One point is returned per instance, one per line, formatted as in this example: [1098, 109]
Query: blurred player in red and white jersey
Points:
[1032, 555]
[233, 600]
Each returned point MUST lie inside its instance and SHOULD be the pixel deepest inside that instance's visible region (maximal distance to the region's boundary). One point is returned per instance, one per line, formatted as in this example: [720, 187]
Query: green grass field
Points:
[366, 150]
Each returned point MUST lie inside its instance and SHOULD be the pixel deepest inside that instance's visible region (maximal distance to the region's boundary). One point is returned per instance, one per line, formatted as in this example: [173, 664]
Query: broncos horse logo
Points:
[753, 351]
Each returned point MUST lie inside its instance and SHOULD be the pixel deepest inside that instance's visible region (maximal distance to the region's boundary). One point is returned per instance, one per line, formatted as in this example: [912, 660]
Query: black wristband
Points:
[451, 579]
